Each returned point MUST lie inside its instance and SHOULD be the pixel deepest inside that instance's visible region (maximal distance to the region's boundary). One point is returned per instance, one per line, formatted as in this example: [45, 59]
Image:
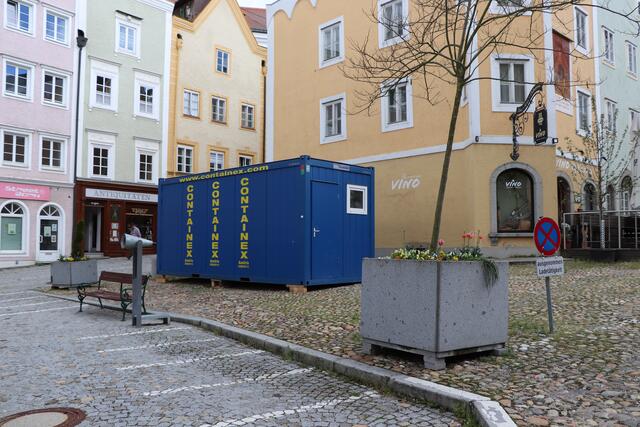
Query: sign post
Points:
[546, 236]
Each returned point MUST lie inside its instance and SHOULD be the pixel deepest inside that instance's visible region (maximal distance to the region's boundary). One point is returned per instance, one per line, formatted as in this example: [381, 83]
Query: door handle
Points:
[41, 238]
[315, 231]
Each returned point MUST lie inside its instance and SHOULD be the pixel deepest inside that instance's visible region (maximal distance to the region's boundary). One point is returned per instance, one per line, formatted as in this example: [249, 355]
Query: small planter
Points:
[73, 273]
[436, 309]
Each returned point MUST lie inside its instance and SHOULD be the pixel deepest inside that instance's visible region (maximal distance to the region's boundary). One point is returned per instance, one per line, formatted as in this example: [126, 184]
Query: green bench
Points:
[124, 296]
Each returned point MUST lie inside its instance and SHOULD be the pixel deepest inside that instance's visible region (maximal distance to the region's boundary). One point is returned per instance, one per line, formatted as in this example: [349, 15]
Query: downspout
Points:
[264, 112]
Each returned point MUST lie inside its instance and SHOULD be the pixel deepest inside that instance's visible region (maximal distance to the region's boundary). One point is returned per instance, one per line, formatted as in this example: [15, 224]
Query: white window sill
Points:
[609, 63]
[564, 105]
[54, 105]
[509, 108]
[394, 41]
[12, 253]
[57, 42]
[356, 212]
[582, 50]
[52, 169]
[103, 107]
[19, 31]
[145, 116]
[332, 61]
[332, 139]
[23, 166]
[101, 177]
[582, 133]
[125, 52]
[18, 97]
[391, 127]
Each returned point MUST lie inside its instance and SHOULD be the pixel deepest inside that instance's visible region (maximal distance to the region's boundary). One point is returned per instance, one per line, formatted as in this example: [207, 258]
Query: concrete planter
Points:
[66, 274]
[436, 309]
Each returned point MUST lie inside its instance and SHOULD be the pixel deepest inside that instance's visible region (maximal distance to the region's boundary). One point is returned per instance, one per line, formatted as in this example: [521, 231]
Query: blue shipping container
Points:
[292, 222]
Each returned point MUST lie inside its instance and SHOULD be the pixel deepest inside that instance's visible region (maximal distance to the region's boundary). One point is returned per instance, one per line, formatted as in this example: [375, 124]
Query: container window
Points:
[356, 199]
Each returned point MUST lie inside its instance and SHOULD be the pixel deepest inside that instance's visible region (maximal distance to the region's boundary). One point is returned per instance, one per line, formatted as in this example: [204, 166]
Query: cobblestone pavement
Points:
[52, 355]
[587, 373]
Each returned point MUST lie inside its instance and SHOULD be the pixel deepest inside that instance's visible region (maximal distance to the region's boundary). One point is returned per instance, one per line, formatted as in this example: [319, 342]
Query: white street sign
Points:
[550, 266]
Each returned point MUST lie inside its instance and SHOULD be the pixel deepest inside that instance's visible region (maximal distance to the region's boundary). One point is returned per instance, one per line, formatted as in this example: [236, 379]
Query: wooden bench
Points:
[125, 296]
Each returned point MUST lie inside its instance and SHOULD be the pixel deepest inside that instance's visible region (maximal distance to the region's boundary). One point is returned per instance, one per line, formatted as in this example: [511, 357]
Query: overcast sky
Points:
[254, 3]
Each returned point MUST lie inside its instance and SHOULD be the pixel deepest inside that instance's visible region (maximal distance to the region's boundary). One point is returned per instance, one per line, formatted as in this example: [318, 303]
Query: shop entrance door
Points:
[93, 226]
[50, 244]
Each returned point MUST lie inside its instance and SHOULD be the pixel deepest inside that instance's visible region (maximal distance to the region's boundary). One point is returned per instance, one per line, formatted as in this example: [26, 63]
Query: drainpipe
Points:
[264, 112]
[81, 42]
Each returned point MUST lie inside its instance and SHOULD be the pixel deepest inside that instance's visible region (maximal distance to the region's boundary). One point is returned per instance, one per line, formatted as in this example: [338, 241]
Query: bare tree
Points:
[442, 45]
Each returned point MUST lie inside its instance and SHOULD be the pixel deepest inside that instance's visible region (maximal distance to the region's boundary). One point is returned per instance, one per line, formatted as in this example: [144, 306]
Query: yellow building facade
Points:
[218, 74]
[308, 94]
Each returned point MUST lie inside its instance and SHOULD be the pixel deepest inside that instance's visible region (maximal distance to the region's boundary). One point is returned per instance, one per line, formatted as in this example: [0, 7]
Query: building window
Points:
[145, 167]
[51, 154]
[15, 149]
[244, 160]
[397, 106]
[515, 202]
[54, 89]
[56, 28]
[561, 67]
[218, 109]
[512, 82]
[12, 233]
[185, 159]
[584, 112]
[609, 46]
[332, 119]
[248, 116]
[100, 161]
[216, 161]
[146, 100]
[508, 6]
[611, 111]
[331, 42]
[356, 199]
[222, 61]
[582, 32]
[626, 190]
[145, 105]
[632, 59]
[191, 103]
[634, 123]
[19, 16]
[17, 80]
[589, 197]
[393, 21]
[127, 36]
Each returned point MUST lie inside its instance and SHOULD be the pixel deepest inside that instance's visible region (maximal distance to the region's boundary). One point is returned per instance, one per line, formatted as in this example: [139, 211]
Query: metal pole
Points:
[547, 282]
[619, 232]
[635, 232]
[136, 310]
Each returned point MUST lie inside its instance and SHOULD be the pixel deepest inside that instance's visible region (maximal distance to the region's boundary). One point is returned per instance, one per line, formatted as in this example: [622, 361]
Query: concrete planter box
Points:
[436, 309]
[66, 274]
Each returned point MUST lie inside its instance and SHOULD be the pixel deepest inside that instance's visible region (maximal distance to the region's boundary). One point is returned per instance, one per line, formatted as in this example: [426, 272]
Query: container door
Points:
[326, 242]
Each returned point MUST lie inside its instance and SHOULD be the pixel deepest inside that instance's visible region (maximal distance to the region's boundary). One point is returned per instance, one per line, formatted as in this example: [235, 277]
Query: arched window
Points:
[49, 210]
[589, 203]
[514, 195]
[12, 219]
[610, 198]
[564, 198]
[626, 190]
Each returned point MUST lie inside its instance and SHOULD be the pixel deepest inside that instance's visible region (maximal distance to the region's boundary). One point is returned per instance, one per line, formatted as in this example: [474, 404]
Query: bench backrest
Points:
[110, 276]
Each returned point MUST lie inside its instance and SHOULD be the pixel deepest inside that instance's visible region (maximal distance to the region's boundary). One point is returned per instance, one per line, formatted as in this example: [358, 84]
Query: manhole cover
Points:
[49, 417]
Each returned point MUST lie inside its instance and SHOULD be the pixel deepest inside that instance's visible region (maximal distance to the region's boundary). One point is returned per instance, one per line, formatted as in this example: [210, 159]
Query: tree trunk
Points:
[435, 235]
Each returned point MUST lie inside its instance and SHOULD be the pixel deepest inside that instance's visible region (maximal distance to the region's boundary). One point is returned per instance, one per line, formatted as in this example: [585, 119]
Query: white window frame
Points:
[132, 23]
[611, 123]
[228, 64]
[582, 49]
[22, 64]
[496, 60]
[339, 22]
[496, 9]
[634, 121]
[65, 90]
[583, 91]
[185, 147]
[99, 140]
[25, 227]
[191, 93]
[58, 14]
[32, 18]
[28, 136]
[384, 103]
[226, 109]
[324, 139]
[632, 61]
[365, 199]
[216, 153]
[150, 82]
[149, 148]
[245, 156]
[382, 43]
[109, 71]
[242, 116]
[609, 53]
[63, 153]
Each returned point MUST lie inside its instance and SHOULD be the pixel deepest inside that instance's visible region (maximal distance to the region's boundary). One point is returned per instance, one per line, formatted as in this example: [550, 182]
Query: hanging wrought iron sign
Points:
[520, 118]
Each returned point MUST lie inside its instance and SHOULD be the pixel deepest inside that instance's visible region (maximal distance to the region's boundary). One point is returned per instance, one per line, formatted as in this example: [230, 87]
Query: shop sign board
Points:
[24, 191]
[98, 193]
[540, 128]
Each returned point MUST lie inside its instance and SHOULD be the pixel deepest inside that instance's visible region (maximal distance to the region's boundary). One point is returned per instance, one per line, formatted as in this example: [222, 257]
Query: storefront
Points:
[109, 210]
[34, 223]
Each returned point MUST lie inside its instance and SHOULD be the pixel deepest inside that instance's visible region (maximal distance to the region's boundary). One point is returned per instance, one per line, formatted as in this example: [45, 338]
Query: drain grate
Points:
[47, 417]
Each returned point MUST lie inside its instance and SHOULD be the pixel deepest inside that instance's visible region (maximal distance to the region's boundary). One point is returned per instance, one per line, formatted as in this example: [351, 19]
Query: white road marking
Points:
[34, 311]
[265, 377]
[166, 344]
[193, 360]
[299, 410]
[20, 299]
[15, 293]
[27, 305]
[148, 331]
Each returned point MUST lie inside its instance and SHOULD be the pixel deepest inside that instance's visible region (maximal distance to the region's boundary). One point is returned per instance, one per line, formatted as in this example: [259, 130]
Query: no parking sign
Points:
[546, 236]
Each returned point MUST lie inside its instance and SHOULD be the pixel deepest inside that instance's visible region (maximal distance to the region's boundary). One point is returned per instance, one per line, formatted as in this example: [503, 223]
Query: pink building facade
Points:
[38, 54]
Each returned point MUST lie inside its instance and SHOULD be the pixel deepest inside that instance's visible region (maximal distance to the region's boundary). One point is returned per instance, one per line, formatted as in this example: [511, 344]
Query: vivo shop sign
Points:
[24, 191]
[406, 183]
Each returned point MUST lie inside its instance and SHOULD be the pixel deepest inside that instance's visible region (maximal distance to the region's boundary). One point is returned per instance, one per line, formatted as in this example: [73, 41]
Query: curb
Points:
[487, 412]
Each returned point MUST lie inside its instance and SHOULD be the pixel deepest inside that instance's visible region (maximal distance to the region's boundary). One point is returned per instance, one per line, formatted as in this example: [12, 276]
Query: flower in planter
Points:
[71, 259]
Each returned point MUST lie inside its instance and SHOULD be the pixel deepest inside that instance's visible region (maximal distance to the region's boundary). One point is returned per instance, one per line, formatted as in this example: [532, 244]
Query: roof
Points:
[256, 18]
